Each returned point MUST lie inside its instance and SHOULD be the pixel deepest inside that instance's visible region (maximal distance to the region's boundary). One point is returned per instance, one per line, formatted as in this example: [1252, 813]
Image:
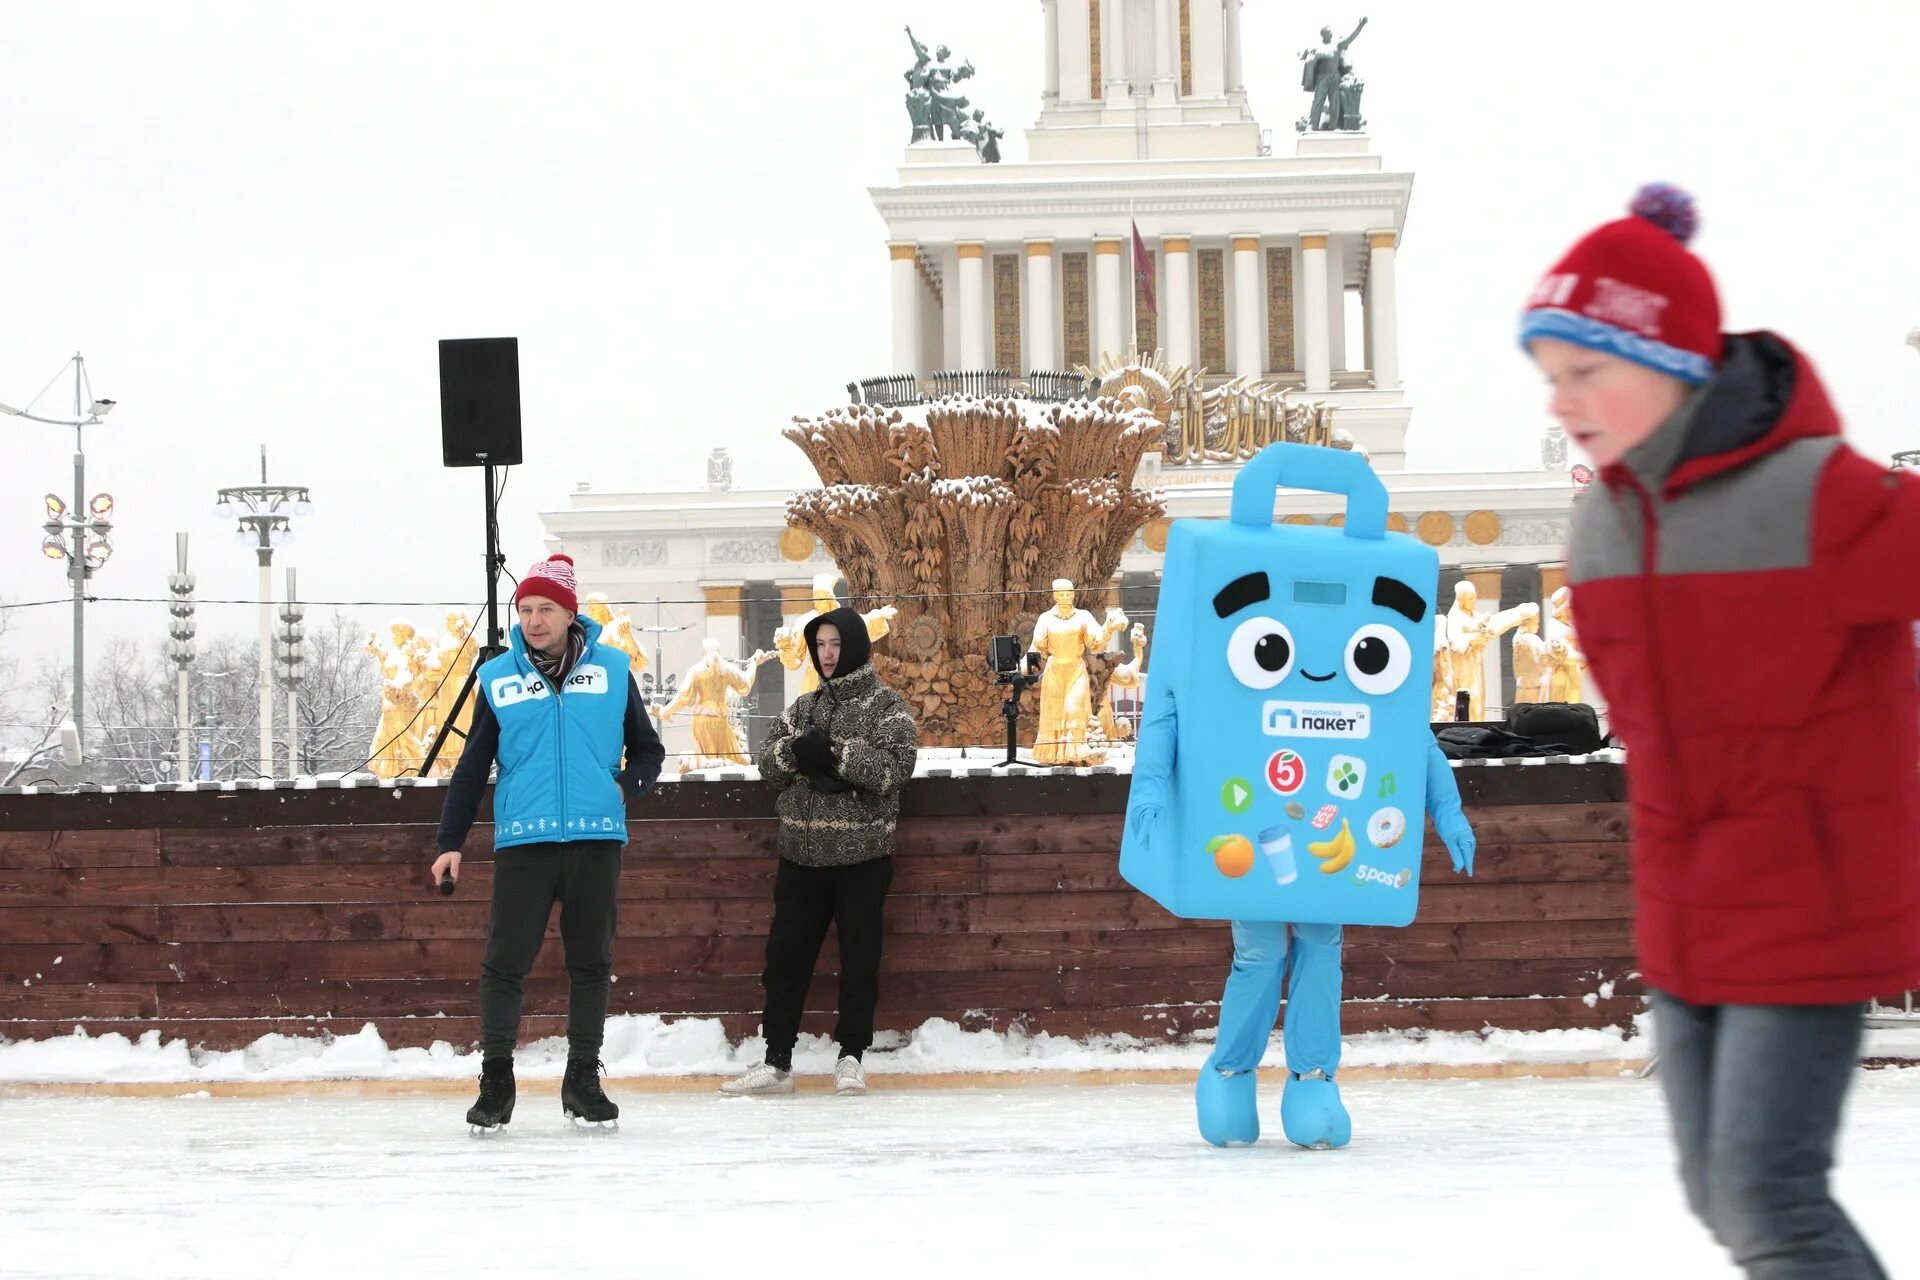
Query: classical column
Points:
[1110, 329]
[725, 607]
[1176, 299]
[1113, 53]
[1383, 317]
[1313, 302]
[1039, 324]
[1246, 305]
[1236, 82]
[1338, 357]
[906, 308]
[1050, 22]
[1166, 65]
[796, 602]
[972, 288]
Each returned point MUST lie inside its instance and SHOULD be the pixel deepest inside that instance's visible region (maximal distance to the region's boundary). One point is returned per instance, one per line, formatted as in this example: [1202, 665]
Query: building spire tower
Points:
[1264, 263]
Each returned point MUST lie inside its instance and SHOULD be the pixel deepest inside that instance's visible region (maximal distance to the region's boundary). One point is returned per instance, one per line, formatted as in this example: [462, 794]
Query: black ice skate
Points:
[586, 1106]
[495, 1106]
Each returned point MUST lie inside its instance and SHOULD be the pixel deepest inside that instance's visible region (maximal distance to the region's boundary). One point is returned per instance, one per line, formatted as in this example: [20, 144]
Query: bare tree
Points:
[339, 699]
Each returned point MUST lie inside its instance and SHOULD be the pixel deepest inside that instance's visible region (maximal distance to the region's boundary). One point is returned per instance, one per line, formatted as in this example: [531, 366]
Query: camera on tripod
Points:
[1016, 667]
[1009, 664]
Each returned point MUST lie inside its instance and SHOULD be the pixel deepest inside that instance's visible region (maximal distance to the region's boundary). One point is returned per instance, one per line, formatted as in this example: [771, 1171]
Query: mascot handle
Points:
[1316, 467]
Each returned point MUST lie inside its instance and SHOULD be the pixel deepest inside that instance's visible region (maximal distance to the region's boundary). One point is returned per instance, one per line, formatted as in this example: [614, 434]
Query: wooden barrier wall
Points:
[221, 916]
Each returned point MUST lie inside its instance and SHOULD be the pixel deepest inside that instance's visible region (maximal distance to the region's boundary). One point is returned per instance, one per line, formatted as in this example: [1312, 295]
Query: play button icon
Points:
[1237, 795]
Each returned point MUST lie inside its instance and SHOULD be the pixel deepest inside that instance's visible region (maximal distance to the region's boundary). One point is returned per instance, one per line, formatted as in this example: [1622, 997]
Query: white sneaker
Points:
[759, 1079]
[849, 1076]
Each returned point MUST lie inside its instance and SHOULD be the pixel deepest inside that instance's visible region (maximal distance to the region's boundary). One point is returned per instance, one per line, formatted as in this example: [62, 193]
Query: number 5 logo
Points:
[1286, 771]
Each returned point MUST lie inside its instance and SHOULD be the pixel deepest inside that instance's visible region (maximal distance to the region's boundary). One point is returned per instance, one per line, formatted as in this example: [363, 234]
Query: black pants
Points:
[805, 901]
[583, 876]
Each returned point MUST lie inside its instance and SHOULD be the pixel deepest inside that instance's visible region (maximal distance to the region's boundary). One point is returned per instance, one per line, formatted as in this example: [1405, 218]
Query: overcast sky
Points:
[256, 220]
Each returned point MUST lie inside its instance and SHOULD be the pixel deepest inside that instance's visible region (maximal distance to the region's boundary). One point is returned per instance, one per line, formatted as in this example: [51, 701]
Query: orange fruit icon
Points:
[1233, 855]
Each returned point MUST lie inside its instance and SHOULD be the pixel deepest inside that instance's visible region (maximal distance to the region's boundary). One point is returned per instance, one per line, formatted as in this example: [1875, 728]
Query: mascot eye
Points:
[1260, 654]
[1378, 659]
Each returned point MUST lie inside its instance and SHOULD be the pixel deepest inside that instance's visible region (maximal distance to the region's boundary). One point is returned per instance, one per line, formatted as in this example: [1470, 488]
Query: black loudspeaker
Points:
[480, 402]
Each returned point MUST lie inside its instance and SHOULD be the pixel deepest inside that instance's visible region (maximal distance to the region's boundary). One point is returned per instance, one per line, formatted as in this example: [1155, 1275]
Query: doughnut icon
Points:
[1385, 828]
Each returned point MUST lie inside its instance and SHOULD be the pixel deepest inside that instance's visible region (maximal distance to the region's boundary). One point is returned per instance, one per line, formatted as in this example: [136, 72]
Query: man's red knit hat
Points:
[1631, 289]
[552, 578]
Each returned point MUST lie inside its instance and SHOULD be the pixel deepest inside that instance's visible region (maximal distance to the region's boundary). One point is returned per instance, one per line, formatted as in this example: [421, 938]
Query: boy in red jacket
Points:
[1744, 584]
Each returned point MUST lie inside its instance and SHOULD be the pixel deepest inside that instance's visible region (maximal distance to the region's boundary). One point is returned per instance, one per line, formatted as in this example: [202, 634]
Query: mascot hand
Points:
[1142, 820]
[1458, 837]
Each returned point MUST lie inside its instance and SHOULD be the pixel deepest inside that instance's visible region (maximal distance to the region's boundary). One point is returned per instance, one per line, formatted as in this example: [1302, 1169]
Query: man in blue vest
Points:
[556, 710]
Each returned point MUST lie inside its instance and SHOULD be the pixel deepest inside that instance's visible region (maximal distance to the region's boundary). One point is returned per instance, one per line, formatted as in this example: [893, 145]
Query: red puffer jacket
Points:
[1743, 588]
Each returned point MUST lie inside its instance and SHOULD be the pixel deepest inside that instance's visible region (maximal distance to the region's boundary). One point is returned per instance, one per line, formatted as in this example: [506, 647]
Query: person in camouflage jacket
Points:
[840, 757]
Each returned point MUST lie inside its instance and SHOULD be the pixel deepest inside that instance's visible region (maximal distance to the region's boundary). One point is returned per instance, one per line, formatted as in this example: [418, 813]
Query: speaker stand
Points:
[496, 638]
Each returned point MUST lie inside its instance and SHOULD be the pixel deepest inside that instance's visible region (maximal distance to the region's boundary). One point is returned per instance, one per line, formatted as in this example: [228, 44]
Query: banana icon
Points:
[1335, 853]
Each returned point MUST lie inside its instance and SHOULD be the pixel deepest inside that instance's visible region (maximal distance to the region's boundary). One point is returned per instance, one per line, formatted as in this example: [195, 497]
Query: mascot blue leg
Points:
[1310, 1109]
[1224, 1095]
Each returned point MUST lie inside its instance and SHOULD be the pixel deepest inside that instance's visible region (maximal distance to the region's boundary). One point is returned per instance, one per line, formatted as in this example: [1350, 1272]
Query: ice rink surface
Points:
[1521, 1178]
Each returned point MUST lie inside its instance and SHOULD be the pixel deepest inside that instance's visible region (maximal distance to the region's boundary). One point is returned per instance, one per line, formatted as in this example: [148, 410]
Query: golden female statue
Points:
[1442, 670]
[1568, 682]
[790, 642]
[1531, 667]
[443, 671]
[396, 743]
[1468, 635]
[704, 692]
[1065, 635]
[616, 629]
[1128, 675]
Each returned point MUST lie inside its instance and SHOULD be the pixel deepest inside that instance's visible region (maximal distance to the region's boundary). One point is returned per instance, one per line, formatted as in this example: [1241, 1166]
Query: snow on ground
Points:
[643, 1045]
[1521, 1178]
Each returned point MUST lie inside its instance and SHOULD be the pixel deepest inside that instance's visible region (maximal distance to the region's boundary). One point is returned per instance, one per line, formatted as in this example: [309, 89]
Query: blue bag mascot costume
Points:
[1285, 765]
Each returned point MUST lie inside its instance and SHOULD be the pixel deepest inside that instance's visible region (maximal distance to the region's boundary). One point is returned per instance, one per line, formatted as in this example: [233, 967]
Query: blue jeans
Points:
[1755, 1093]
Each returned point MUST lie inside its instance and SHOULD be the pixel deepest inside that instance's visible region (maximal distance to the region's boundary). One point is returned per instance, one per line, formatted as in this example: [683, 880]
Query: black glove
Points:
[813, 754]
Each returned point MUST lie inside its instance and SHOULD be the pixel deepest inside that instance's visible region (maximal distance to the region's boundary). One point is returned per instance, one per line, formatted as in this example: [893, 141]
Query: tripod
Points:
[1010, 712]
[496, 638]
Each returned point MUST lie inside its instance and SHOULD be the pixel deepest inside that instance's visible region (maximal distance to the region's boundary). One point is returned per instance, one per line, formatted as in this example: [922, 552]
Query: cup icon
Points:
[1277, 844]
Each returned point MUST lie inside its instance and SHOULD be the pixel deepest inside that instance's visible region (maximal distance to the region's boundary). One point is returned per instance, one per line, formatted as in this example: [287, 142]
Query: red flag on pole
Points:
[1143, 269]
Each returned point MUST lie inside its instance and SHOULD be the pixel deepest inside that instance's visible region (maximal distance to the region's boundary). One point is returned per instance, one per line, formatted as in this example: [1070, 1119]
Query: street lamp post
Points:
[264, 513]
[290, 661]
[180, 645]
[87, 523]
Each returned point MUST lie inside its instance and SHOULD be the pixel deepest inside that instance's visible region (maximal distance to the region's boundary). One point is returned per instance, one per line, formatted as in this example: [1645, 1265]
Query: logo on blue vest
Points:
[510, 689]
[587, 678]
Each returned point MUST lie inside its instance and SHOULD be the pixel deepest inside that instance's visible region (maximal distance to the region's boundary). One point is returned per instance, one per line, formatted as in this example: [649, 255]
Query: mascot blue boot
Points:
[1287, 715]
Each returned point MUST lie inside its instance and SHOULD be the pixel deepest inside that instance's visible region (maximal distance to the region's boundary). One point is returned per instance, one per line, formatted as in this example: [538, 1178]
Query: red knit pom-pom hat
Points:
[552, 578]
[1631, 289]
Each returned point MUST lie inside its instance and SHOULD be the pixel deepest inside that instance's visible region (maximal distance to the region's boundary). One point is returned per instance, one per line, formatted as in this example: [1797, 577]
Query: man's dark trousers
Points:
[583, 876]
[805, 901]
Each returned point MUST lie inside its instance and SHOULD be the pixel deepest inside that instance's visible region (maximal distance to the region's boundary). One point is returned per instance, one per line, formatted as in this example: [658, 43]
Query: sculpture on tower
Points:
[935, 113]
[1328, 76]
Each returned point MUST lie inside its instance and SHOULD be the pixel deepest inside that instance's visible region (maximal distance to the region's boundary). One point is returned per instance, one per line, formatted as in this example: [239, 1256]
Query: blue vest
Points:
[560, 748]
